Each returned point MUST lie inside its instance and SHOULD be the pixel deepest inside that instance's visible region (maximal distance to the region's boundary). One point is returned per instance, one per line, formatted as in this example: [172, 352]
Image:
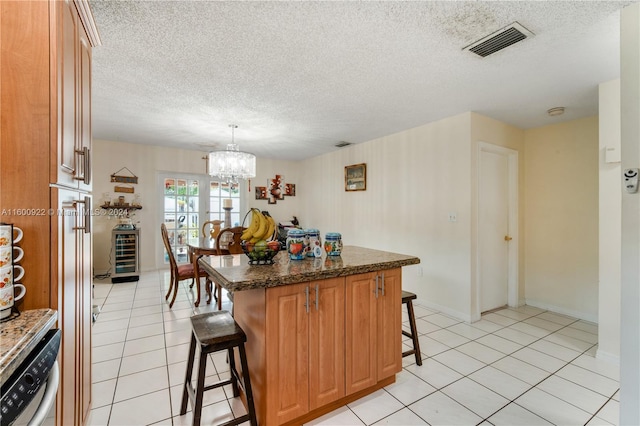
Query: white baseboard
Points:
[560, 310]
[608, 357]
[444, 309]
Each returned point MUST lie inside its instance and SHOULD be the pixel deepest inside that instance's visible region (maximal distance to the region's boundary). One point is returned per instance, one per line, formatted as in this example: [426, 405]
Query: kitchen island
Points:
[321, 332]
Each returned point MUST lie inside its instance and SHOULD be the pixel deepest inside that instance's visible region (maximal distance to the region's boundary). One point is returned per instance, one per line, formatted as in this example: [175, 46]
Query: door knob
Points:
[507, 238]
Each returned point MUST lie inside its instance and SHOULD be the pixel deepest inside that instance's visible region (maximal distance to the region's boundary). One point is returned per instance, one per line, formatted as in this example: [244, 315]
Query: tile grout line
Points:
[510, 355]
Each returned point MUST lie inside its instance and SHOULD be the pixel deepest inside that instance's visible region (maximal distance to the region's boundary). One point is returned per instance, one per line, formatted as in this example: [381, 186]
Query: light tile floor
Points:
[521, 366]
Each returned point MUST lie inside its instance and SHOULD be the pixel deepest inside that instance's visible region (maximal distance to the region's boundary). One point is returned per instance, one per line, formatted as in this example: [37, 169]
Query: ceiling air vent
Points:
[505, 37]
[342, 144]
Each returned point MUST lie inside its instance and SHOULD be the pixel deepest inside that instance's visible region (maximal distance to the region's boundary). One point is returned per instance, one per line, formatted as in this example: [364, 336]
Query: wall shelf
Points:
[120, 207]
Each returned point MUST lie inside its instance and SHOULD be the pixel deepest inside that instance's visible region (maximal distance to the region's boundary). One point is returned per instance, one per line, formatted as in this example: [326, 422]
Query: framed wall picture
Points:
[290, 189]
[261, 192]
[355, 177]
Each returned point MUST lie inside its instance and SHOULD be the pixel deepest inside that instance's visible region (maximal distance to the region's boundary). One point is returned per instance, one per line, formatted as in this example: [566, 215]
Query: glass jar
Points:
[313, 246]
[295, 244]
[333, 243]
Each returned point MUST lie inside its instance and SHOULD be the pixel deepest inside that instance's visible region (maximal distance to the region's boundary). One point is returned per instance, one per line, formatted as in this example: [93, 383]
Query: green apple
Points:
[260, 246]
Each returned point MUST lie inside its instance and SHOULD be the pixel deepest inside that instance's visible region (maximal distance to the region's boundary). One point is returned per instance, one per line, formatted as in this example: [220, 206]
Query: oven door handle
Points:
[49, 398]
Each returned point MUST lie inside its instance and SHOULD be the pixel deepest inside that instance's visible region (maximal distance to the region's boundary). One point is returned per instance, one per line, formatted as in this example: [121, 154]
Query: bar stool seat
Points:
[407, 298]
[213, 332]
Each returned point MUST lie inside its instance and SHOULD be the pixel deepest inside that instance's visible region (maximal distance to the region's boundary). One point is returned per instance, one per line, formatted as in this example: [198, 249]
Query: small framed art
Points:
[355, 177]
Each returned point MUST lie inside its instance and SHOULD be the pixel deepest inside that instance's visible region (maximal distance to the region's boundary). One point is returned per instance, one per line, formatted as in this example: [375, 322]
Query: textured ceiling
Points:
[299, 77]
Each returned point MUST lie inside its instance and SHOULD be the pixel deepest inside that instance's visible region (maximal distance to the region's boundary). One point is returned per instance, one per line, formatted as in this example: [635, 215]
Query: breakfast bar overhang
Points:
[321, 332]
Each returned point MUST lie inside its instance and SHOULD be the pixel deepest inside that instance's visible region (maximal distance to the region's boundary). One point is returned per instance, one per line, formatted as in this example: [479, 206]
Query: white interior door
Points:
[494, 237]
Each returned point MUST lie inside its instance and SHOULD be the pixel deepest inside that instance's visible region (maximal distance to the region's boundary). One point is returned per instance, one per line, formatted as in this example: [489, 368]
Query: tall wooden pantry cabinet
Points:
[45, 172]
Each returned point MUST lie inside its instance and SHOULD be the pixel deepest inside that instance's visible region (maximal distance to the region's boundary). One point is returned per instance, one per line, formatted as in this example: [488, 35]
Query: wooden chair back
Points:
[228, 241]
[178, 272]
[215, 225]
[167, 246]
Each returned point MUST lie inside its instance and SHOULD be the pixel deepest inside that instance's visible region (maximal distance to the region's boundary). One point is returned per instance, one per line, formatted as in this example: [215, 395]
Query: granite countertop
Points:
[354, 260]
[20, 335]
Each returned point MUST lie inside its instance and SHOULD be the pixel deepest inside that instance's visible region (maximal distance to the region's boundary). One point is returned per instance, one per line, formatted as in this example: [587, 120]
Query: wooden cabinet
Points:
[305, 362]
[72, 271]
[73, 94]
[287, 355]
[315, 346]
[45, 172]
[373, 318]
[326, 342]
[389, 318]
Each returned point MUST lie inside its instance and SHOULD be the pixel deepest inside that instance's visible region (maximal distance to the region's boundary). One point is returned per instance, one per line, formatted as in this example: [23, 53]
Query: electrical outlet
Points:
[419, 271]
[453, 217]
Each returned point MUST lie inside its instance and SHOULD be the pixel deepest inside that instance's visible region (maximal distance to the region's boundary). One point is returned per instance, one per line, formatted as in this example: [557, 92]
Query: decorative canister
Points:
[333, 243]
[295, 244]
[313, 246]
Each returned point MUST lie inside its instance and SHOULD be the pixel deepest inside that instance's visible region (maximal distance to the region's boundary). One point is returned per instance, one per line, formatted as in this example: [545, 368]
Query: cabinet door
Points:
[85, 305]
[83, 142]
[66, 50]
[68, 303]
[287, 358]
[71, 261]
[361, 333]
[389, 317]
[326, 342]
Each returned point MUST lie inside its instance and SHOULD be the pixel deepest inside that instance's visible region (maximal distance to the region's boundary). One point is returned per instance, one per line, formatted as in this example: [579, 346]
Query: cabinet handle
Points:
[316, 297]
[383, 283]
[376, 290]
[87, 215]
[306, 294]
[86, 160]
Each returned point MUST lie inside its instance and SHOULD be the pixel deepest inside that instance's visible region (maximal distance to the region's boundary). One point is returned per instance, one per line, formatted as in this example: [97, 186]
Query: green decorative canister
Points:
[333, 243]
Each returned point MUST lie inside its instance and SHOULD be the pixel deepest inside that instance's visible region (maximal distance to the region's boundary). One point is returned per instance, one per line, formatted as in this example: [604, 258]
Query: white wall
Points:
[630, 259]
[561, 231]
[145, 161]
[414, 179]
[282, 210]
[609, 220]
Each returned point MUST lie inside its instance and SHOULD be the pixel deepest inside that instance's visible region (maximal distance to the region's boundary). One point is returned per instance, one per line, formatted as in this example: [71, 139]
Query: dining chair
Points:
[178, 272]
[230, 244]
[215, 228]
[228, 241]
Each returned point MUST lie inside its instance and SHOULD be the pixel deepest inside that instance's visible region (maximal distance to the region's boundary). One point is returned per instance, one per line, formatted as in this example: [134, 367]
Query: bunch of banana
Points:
[261, 227]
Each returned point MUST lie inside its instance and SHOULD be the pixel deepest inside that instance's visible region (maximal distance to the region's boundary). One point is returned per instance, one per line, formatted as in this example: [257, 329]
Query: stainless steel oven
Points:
[29, 394]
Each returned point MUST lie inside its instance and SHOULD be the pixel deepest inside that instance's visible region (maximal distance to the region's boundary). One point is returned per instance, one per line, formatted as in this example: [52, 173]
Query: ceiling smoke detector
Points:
[499, 40]
[555, 111]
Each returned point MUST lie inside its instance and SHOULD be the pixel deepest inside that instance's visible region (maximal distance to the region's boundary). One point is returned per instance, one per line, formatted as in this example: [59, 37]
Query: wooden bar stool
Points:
[213, 332]
[407, 298]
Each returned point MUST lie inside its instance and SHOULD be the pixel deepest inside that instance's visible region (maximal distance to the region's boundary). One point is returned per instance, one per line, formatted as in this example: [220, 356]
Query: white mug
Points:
[8, 298]
[8, 235]
[7, 277]
[8, 255]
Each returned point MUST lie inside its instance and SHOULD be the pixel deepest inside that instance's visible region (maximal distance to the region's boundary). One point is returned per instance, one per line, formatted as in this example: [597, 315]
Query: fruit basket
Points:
[260, 254]
[257, 239]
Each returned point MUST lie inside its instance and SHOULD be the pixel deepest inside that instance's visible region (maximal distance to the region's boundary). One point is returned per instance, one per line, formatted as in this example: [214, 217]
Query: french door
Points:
[188, 202]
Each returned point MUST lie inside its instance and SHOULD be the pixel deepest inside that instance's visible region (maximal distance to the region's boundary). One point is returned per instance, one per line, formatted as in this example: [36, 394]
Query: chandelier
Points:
[232, 164]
